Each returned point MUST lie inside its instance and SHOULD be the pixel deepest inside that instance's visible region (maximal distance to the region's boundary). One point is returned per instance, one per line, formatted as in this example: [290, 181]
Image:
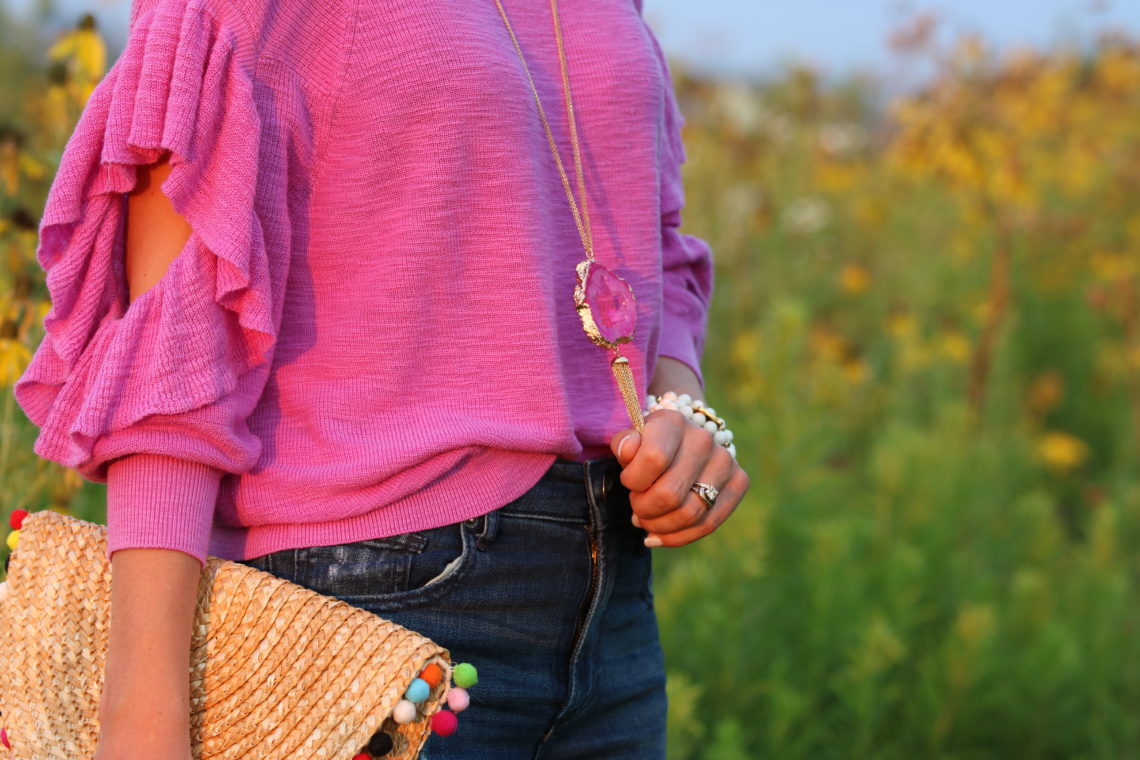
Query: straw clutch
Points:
[276, 670]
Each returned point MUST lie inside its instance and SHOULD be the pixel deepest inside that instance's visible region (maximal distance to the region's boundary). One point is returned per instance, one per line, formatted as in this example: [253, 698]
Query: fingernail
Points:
[635, 521]
[652, 542]
[621, 443]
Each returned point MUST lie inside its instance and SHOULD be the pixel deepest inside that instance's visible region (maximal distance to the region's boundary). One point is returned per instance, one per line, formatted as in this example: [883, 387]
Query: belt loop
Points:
[486, 534]
[490, 525]
[588, 477]
[607, 471]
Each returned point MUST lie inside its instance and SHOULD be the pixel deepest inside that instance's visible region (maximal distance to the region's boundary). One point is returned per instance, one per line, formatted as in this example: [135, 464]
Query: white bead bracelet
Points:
[695, 412]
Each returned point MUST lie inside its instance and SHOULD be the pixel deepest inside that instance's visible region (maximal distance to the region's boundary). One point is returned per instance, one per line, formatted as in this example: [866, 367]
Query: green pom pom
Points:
[465, 676]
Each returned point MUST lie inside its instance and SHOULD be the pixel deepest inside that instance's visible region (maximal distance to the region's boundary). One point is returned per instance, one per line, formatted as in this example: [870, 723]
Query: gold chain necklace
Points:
[603, 300]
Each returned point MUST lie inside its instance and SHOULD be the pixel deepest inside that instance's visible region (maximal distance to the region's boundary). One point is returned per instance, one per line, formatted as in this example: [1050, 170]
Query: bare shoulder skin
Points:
[156, 233]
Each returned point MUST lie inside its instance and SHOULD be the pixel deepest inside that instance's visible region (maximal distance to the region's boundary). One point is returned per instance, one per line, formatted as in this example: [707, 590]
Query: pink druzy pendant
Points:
[606, 305]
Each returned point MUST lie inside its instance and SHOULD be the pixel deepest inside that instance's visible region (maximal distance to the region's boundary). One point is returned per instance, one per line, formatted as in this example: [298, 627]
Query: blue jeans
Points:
[549, 596]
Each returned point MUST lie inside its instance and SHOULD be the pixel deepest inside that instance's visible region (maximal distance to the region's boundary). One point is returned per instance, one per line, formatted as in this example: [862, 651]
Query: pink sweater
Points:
[371, 328]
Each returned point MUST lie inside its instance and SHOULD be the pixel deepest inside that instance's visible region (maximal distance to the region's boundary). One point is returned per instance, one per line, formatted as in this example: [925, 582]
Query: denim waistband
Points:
[587, 491]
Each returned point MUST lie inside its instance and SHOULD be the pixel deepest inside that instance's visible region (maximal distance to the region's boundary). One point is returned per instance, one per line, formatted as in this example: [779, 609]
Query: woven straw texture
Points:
[276, 669]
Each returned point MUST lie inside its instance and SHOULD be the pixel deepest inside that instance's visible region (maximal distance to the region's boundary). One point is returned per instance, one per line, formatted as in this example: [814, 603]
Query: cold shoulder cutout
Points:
[167, 380]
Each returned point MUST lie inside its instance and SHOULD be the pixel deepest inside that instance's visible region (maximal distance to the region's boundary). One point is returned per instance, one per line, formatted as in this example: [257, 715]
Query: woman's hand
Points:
[660, 466]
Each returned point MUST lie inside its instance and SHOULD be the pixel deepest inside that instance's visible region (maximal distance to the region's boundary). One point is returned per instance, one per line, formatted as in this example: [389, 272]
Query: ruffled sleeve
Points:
[687, 263]
[162, 386]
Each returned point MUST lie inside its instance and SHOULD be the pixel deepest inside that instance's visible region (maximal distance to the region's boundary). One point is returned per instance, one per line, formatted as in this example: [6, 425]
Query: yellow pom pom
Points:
[13, 539]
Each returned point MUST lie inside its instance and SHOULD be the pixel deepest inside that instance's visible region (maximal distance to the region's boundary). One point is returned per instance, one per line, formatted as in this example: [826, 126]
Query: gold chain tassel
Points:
[624, 376]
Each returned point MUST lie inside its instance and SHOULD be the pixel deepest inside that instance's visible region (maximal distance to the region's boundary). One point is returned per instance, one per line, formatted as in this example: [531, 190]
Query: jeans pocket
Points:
[394, 568]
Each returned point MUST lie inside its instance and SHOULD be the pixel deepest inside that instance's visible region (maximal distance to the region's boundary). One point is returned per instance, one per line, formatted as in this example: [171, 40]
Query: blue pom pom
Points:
[418, 691]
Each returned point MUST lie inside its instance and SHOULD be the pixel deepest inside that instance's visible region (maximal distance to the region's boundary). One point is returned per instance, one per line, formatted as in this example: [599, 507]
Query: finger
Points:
[726, 503]
[624, 444]
[716, 469]
[659, 442]
[670, 491]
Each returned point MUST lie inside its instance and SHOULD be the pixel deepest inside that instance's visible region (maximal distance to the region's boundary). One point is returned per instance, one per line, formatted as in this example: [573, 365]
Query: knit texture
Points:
[371, 328]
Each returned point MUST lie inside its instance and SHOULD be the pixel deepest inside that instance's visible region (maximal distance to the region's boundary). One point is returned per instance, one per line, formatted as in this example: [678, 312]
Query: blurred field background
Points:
[926, 335]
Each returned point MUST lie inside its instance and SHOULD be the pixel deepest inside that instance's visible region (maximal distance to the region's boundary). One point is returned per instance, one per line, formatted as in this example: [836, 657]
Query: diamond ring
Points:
[707, 492]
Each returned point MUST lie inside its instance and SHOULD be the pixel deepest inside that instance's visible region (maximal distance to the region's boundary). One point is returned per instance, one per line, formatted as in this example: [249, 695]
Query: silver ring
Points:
[707, 492]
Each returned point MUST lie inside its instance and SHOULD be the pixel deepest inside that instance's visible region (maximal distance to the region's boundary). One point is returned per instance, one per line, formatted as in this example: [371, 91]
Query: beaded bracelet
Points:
[697, 413]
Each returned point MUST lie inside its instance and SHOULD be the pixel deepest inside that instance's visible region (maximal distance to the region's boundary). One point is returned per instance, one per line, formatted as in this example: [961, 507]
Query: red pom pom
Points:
[17, 518]
[4, 738]
[362, 756]
[444, 723]
[432, 673]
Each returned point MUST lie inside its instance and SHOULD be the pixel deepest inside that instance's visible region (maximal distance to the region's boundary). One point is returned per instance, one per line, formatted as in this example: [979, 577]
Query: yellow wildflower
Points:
[854, 278]
[981, 312]
[10, 166]
[901, 325]
[827, 344]
[14, 358]
[1110, 266]
[835, 177]
[1062, 452]
[746, 347]
[955, 346]
[1133, 229]
[855, 370]
[85, 50]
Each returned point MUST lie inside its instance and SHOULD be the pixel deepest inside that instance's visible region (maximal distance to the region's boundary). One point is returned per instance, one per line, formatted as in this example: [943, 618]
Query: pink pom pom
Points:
[458, 699]
[444, 723]
[4, 738]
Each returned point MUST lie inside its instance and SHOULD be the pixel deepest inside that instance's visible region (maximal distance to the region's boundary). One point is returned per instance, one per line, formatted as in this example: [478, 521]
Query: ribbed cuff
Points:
[161, 502]
[678, 342]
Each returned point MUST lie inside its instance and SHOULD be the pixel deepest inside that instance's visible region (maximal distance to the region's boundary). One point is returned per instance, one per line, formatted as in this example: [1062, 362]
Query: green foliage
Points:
[916, 572]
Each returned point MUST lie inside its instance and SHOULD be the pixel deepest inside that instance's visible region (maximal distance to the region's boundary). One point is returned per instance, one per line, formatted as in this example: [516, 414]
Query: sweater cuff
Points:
[678, 341]
[161, 502]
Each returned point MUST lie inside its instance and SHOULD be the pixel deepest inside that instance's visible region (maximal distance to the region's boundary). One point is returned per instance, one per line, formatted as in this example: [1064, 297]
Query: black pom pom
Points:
[380, 744]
